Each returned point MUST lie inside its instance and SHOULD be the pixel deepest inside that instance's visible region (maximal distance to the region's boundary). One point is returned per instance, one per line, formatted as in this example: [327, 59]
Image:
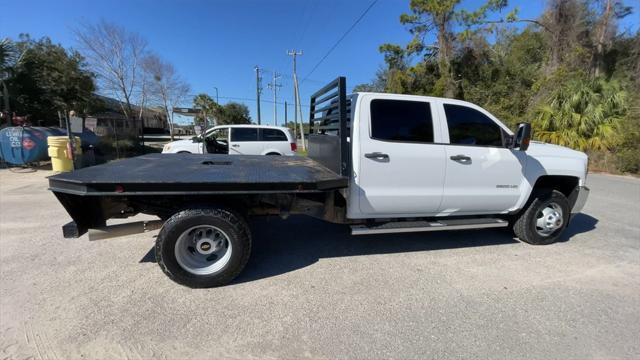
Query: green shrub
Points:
[628, 160]
[628, 149]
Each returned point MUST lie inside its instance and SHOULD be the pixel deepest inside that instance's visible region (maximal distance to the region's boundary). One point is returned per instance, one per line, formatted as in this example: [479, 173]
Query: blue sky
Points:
[218, 43]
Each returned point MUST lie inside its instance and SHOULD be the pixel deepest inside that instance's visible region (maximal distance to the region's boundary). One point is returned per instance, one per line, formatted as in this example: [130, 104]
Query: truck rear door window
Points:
[468, 126]
[400, 120]
[273, 135]
[244, 134]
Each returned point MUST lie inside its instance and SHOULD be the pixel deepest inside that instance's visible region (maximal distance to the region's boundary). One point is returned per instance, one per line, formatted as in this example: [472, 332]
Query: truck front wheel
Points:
[544, 220]
[202, 248]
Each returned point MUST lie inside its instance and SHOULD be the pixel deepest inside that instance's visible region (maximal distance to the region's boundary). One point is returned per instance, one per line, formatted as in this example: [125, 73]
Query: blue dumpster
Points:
[23, 145]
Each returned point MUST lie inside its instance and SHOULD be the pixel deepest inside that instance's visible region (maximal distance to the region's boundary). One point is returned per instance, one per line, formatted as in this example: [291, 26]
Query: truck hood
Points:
[539, 149]
[549, 159]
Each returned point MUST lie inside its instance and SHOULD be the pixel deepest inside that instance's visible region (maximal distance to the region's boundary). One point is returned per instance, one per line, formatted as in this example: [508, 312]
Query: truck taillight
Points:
[294, 147]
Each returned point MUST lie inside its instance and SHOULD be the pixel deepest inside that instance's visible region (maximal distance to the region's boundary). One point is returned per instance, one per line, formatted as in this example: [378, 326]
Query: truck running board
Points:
[418, 226]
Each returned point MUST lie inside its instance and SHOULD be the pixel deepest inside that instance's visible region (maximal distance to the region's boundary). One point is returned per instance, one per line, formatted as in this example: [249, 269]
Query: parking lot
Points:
[311, 290]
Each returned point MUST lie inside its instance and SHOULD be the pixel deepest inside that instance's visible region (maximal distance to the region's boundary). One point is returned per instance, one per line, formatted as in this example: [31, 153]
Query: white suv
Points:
[238, 140]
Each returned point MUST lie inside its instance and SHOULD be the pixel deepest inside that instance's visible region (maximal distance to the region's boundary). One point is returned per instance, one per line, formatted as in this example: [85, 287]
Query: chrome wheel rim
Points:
[203, 250]
[549, 219]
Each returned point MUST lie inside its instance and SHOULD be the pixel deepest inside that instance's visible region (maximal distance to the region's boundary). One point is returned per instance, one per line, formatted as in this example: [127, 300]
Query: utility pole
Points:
[215, 118]
[217, 98]
[296, 96]
[285, 113]
[274, 87]
[258, 91]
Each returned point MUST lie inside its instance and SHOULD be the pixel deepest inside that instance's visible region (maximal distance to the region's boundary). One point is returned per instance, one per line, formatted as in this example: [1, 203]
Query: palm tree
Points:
[208, 106]
[8, 58]
[11, 56]
[583, 114]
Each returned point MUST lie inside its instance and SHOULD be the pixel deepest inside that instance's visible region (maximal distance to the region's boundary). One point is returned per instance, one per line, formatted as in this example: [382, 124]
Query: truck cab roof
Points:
[443, 100]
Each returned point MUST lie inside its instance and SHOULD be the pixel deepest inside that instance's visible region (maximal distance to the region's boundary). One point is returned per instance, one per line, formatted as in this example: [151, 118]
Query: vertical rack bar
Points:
[333, 129]
[342, 122]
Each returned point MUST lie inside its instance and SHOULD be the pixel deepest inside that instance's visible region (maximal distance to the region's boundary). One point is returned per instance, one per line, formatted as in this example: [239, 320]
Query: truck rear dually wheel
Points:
[202, 248]
[544, 220]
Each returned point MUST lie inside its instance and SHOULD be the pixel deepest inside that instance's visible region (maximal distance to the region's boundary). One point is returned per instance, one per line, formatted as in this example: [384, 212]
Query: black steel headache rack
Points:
[330, 127]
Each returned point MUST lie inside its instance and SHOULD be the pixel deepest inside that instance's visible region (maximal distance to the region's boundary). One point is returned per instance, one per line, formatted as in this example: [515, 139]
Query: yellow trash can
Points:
[60, 152]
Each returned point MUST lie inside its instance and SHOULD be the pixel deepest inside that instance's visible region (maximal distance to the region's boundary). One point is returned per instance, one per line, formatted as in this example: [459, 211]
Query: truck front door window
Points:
[468, 126]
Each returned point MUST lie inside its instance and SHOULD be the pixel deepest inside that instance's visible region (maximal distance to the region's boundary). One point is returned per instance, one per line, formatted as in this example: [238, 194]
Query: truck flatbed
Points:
[182, 174]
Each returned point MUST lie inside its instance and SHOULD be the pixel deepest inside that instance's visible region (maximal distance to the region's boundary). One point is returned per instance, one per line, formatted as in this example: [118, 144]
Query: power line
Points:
[341, 38]
[289, 103]
[306, 20]
[236, 98]
[274, 88]
[290, 75]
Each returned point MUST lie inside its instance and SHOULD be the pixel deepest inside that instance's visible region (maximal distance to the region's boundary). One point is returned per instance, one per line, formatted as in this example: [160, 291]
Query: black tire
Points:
[232, 224]
[525, 225]
[164, 216]
[183, 152]
[272, 154]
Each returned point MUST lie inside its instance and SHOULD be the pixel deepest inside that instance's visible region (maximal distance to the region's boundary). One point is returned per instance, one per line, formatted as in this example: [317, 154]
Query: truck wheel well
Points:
[564, 184]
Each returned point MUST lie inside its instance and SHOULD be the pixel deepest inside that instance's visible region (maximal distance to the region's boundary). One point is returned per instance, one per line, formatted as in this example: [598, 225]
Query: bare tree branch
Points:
[114, 55]
[167, 88]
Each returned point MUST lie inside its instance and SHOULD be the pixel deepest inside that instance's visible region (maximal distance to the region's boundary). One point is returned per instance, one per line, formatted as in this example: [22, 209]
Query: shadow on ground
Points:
[27, 168]
[281, 246]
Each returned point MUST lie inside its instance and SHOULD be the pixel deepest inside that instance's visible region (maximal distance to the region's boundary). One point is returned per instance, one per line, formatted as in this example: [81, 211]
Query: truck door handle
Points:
[376, 155]
[460, 158]
[235, 145]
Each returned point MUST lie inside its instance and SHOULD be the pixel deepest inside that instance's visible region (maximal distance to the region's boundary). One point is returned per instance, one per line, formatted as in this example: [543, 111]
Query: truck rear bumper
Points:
[579, 198]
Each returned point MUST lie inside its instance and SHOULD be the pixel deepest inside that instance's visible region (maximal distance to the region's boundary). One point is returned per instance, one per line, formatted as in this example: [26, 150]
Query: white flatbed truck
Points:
[381, 163]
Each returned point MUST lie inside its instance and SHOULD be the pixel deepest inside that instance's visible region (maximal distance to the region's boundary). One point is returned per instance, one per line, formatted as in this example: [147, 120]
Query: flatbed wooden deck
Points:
[172, 174]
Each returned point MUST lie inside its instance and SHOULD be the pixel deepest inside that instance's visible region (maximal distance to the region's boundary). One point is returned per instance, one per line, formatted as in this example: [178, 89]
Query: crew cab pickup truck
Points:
[381, 163]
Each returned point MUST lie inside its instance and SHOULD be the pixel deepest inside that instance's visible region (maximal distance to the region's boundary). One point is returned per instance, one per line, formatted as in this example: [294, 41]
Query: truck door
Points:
[483, 175]
[401, 168]
[244, 141]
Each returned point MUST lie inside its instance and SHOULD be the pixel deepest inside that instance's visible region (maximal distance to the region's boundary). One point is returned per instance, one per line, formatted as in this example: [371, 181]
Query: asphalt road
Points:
[312, 291]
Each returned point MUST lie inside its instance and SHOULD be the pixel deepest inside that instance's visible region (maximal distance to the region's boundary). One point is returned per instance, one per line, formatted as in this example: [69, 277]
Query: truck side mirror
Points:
[523, 137]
